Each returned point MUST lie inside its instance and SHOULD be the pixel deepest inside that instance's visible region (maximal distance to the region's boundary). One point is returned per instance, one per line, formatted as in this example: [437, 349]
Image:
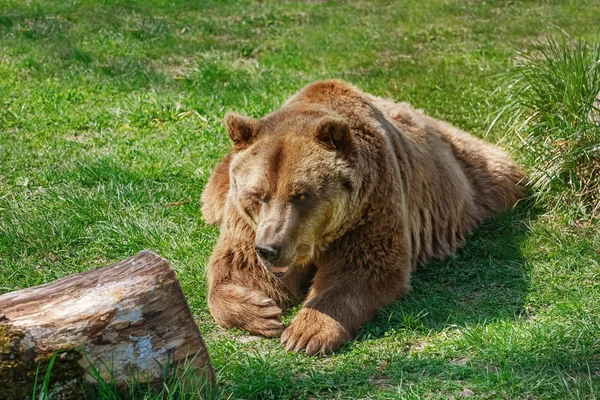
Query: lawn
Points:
[111, 122]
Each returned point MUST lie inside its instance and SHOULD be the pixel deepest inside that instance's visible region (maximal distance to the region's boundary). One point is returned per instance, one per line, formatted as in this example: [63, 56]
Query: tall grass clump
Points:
[551, 106]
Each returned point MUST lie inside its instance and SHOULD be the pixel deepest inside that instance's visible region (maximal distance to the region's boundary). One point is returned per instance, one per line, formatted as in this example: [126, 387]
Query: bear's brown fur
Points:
[342, 194]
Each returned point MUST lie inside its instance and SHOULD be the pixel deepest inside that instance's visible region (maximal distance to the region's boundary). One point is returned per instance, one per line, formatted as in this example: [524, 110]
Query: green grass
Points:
[552, 104]
[111, 121]
[184, 383]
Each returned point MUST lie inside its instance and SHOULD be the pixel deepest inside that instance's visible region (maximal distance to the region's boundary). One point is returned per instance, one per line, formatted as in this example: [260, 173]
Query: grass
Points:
[551, 106]
[111, 121]
[185, 383]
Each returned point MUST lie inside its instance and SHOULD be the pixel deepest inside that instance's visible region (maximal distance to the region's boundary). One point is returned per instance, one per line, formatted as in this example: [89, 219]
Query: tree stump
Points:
[126, 320]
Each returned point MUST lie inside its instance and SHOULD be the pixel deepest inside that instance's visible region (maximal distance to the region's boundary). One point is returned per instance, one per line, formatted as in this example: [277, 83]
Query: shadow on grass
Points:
[517, 374]
[485, 280]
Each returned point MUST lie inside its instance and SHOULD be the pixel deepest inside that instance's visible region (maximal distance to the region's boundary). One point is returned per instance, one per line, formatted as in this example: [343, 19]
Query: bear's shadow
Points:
[486, 280]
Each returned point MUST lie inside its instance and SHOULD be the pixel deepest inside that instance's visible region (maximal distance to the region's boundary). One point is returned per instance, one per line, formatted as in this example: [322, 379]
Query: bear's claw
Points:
[246, 308]
[314, 332]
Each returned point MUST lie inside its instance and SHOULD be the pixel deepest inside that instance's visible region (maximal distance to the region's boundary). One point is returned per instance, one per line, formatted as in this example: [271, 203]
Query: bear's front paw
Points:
[314, 332]
[249, 309]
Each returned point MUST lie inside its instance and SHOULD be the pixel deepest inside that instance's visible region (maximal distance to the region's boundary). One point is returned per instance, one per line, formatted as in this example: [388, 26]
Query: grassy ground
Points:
[110, 123]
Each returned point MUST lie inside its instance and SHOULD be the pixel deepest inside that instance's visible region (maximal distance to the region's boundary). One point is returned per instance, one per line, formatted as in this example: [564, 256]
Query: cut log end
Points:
[127, 320]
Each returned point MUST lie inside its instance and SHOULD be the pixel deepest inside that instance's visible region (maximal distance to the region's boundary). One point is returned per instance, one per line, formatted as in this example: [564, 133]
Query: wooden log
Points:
[127, 319]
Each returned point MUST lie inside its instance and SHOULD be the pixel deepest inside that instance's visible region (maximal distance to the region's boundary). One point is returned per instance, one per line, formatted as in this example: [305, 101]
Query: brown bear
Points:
[338, 196]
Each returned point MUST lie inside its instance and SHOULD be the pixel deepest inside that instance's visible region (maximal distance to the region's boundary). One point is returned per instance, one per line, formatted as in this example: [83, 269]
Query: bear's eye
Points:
[258, 198]
[301, 197]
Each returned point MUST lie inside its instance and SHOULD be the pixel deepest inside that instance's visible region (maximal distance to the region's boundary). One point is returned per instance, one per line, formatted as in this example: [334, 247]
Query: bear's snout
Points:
[270, 253]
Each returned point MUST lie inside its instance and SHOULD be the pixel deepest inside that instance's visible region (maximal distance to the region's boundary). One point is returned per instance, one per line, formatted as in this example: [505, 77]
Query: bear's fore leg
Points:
[243, 294]
[233, 305]
[337, 306]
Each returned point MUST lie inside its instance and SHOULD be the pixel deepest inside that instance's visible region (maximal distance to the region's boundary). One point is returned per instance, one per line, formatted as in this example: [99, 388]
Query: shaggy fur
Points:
[354, 191]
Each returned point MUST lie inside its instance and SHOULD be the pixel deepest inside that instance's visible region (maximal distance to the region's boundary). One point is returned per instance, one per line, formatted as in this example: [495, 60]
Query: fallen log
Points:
[126, 320]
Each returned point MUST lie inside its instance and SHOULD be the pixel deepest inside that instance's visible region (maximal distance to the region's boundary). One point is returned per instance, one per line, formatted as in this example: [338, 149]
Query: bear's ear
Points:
[241, 130]
[335, 134]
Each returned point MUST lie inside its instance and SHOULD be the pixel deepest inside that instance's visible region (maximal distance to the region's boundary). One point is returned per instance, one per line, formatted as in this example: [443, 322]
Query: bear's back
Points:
[453, 181]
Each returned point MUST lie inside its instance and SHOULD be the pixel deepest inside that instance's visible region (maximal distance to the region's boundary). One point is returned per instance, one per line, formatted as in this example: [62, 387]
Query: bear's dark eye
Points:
[300, 198]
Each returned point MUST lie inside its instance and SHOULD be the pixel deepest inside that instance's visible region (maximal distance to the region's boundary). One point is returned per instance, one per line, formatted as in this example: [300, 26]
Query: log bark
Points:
[126, 320]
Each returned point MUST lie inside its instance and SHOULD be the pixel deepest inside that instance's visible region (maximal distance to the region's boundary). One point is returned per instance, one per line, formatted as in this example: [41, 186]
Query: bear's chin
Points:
[277, 271]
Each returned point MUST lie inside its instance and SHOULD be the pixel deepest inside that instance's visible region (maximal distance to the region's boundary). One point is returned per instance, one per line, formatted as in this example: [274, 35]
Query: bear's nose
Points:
[268, 253]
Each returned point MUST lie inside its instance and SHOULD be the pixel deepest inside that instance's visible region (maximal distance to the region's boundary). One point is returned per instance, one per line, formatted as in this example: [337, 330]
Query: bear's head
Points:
[293, 178]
